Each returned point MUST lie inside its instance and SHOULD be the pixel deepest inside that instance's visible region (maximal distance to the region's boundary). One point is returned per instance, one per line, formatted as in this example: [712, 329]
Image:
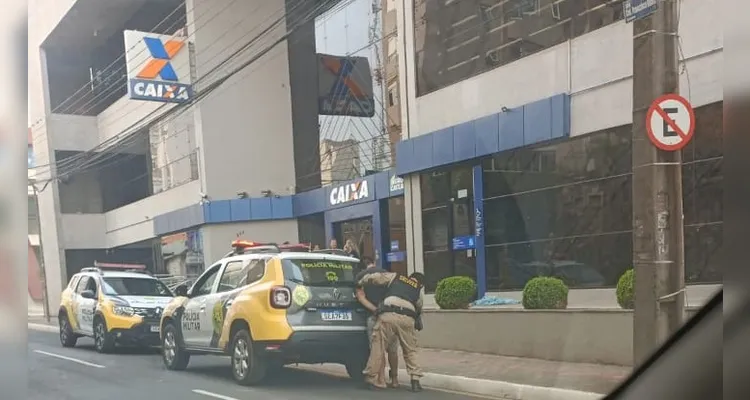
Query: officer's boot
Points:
[415, 385]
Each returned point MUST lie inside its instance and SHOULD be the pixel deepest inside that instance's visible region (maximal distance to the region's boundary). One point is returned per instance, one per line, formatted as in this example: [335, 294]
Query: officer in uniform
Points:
[398, 318]
[370, 297]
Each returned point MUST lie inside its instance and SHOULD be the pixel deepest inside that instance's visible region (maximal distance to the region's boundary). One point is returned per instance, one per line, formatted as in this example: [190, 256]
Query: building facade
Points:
[485, 139]
[526, 107]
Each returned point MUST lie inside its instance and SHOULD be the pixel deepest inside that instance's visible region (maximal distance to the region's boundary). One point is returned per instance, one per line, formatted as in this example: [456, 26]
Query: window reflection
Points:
[455, 40]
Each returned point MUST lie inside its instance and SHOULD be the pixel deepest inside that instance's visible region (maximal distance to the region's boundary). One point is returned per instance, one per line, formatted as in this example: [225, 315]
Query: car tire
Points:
[174, 356]
[68, 338]
[248, 368]
[103, 340]
[355, 366]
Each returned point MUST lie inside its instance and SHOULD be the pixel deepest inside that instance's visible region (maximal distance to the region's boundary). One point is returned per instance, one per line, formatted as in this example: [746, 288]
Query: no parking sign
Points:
[670, 122]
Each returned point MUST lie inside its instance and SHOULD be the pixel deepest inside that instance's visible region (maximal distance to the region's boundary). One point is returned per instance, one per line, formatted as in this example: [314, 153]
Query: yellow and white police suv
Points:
[267, 306]
[114, 304]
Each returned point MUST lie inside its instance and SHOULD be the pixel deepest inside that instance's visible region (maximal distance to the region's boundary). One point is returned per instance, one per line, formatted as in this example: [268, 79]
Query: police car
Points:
[114, 304]
[267, 306]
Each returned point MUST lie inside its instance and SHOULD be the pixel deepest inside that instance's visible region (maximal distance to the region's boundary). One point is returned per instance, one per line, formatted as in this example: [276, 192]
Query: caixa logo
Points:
[141, 89]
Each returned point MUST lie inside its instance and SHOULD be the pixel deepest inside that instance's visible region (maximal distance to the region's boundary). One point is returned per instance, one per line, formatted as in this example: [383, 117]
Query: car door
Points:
[196, 319]
[85, 308]
[234, 277]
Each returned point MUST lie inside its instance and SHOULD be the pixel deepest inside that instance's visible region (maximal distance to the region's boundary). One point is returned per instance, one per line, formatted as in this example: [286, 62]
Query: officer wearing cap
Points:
[371, 296]
[398, 319]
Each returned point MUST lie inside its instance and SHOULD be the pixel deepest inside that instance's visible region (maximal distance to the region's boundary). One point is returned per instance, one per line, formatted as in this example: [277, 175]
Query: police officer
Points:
[371, 296]
[398, 317]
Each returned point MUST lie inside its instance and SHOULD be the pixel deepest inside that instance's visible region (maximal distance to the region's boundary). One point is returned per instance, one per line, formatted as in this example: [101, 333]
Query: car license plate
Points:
[336, 315]
[155, 328]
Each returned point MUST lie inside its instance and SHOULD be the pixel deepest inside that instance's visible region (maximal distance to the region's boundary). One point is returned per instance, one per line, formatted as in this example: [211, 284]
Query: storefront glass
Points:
[447, 203]
[397, 235]
[562, 210]
[182, 254]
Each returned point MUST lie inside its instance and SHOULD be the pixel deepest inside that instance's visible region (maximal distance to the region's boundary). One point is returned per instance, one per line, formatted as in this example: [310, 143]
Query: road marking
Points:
[214, 395]
[75, 360]
[43, 328]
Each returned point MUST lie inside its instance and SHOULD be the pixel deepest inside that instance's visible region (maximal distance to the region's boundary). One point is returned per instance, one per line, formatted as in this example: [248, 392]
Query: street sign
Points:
[670, 122]
[638, 9]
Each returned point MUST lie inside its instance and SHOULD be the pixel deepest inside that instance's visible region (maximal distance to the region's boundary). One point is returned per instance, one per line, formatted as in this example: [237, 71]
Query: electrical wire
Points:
[214, 85]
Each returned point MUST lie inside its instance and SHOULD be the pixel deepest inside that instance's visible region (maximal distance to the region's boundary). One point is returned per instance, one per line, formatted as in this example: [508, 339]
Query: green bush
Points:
[455, 292]
[545, 293]
[625, 290]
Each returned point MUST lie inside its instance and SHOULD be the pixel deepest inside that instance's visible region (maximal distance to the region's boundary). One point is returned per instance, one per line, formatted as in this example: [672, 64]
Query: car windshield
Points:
[120, 286]
[319, 272]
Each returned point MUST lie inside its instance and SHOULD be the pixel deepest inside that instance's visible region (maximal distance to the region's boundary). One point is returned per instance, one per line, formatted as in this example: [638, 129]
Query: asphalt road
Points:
[83, 374]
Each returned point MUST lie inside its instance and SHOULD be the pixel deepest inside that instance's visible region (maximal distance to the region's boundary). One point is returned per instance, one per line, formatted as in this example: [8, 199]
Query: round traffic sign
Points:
[670, 122]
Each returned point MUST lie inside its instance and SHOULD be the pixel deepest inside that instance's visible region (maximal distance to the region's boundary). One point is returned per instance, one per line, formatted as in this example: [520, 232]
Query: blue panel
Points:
[281, 207]
[422, 152]
[537, 121]
[560, 110]
[464, 142]
[405, 157]
[311, 202]
[351, 212]
[240, 209]
[395, 184]
[487, 130]
[511, 129]
[479, 229]
[382, 184]
[260, 208]
[442, 147]
[219, 211]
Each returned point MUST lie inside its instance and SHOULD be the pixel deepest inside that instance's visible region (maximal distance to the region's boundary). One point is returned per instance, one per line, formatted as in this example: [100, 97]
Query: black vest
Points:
[405, 288]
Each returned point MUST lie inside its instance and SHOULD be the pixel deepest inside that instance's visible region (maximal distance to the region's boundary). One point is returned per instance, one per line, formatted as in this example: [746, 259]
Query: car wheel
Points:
[175, 358]
[247, 367]
[67, 337]
[103, 341]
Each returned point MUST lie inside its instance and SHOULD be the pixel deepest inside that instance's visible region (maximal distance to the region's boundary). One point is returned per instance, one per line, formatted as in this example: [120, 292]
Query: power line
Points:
[216, 84]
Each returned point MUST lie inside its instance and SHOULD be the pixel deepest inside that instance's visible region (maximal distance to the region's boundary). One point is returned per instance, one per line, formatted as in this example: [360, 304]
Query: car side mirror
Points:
[182, 291]
[88, 294]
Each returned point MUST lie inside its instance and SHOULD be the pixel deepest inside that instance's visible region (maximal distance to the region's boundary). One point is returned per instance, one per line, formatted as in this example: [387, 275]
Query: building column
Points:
[481, 262]
[413, 208]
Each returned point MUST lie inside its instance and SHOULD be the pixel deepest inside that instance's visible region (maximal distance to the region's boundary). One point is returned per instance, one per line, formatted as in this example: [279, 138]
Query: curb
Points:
[43, 328]
[481, 387]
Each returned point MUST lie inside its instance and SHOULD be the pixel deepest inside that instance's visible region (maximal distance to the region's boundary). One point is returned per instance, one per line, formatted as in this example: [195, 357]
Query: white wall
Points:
[118, 118]
[134, 222]
[596, 69]
[72, 132]
[217, 238]
[245, 130]
[83, 231]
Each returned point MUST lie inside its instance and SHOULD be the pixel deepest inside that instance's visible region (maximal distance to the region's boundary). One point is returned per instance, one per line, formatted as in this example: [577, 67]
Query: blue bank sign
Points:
[639, 9]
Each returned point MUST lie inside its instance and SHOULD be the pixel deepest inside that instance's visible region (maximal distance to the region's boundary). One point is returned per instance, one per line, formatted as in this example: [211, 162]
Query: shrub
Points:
[625, 290]
[455, 292]
[545, 293]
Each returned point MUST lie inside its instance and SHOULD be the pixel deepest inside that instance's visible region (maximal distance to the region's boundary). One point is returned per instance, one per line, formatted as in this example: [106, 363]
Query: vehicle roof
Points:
[295, 255]
[119, 274]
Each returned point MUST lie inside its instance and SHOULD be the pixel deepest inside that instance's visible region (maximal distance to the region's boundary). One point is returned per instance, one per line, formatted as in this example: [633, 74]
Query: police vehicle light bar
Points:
[119, 266]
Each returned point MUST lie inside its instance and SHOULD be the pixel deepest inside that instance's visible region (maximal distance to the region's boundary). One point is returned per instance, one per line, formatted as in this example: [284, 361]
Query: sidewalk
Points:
[512, 373]
[497, 376]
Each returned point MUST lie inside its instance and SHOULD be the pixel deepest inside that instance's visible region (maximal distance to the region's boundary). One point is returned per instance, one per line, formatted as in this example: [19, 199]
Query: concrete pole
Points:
[42, 270]
[658, 242]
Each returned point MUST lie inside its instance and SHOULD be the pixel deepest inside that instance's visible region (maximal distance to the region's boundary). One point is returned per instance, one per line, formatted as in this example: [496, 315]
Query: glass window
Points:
[438, 265]
[459, 39]
[318, 272]
[397, 231]
[82, 284]
[590, 261]
[436, 229]
[119, 286]
[234, 275]
[436, 188]
[205, 283]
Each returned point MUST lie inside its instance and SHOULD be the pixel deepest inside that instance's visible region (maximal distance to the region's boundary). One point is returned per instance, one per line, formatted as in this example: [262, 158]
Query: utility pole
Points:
[42, 269]
[658, 242]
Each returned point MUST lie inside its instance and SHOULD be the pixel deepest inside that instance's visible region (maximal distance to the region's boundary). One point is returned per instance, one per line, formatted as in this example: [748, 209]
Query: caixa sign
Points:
[351, 192]
[141, 89]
